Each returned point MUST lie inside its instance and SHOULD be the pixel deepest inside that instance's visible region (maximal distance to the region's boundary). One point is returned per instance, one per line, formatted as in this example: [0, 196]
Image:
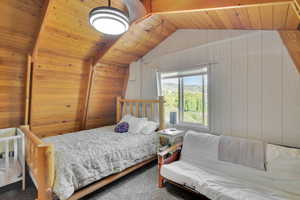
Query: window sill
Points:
[190, 126]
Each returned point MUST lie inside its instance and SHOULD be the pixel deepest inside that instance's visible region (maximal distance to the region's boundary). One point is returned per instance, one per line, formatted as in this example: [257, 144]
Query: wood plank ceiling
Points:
[68, 32]
[168, 6]
[138, 41]
[271, 16]
[278, 15]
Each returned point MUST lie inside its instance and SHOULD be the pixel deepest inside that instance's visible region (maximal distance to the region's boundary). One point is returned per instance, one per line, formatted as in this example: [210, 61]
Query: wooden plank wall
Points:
[108, 82]
[19, 20]
[61, 69]
[58, 94]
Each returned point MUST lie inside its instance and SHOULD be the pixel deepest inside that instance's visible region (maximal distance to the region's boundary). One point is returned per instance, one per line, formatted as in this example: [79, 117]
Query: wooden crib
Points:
[12, 159]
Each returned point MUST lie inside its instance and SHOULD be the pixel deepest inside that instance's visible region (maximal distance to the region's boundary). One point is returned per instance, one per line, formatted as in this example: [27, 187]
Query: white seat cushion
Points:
[177, 172]
[200, 169]
[220, 185]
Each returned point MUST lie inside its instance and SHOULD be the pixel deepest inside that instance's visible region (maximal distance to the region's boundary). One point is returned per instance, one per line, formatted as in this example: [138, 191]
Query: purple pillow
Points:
[122, 127]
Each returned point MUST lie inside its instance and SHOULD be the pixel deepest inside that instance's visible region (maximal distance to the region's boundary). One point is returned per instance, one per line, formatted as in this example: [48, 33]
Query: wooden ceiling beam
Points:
[89, 88]
[171, 6]
[110, 44]
[101, 52]
[44, 15]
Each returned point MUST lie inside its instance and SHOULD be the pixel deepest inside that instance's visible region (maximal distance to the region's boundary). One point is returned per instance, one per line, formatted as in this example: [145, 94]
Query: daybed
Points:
[72, 165]
[199, 170]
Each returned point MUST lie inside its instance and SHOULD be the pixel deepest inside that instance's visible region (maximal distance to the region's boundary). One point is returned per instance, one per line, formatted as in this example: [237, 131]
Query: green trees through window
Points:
[171, 93]
[188, 96]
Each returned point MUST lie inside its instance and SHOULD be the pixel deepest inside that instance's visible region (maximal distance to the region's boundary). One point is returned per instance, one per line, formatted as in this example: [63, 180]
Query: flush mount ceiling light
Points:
[108, 20]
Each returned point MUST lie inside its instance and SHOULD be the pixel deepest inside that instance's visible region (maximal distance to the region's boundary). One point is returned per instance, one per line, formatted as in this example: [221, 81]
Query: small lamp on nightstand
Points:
[173, 119]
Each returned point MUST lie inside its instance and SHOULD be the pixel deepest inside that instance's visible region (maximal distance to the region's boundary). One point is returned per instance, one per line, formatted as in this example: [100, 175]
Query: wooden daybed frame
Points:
[168, 156]
[40, 155]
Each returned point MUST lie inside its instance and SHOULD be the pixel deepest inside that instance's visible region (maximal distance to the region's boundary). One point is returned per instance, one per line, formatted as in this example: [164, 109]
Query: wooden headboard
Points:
[141, 108]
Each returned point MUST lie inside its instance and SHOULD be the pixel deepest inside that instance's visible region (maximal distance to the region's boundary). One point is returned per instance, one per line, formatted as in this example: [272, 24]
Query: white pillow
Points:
[149, 127]
[135, 124]
[283, 162]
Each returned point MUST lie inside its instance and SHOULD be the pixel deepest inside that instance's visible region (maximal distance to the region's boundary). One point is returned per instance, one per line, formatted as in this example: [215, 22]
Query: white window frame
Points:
[181, 99]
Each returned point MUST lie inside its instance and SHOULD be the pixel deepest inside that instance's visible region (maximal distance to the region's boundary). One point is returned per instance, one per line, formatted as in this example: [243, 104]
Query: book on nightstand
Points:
[171, 131]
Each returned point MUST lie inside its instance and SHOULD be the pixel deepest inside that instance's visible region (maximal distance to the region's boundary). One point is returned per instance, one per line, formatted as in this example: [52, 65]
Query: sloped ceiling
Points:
[242, 14]
[68, 33]
[67, 30]
[139, 40]
[163, 6]
[278, 16]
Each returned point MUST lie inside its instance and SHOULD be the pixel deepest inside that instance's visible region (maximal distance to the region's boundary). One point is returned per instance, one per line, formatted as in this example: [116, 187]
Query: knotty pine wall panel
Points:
[19, 21]
[109, 82]
[12, 72]
[58, 94]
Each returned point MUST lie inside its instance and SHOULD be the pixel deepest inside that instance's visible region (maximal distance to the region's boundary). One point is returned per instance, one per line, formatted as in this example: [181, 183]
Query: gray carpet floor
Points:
[139, 185]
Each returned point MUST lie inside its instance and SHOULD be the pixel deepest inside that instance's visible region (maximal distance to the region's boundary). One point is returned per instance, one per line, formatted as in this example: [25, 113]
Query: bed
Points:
[72, 165]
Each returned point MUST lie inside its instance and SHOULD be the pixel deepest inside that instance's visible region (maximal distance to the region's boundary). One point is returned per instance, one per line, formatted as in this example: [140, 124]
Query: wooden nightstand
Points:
[169, 137]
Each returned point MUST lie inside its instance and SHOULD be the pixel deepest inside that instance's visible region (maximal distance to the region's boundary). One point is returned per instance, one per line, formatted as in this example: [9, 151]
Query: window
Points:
[187, 94]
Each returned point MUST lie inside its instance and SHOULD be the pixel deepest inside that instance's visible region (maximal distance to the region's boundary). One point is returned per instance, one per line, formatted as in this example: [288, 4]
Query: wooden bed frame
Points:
[168, 156]
[40, 155]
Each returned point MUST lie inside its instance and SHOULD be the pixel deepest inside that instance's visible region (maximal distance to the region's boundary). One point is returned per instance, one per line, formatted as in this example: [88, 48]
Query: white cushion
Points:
[199, 146]
[227, 181]
[217, 185]
[149, 127]
[181, 172]
[135, 124]
[283, 162]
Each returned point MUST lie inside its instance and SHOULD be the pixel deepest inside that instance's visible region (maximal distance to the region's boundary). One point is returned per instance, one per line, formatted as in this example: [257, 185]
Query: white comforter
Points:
[87, 156]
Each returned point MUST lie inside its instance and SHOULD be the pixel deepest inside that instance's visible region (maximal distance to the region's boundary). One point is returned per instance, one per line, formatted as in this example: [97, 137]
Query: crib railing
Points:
[13, 162]
[40, 161]
[6, 142]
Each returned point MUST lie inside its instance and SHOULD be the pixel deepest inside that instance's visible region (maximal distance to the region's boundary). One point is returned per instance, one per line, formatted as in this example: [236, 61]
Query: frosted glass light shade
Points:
[109, 20]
